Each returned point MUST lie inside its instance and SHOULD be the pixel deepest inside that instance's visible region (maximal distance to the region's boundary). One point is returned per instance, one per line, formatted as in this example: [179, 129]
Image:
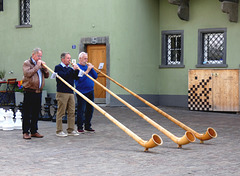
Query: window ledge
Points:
[24, 26]
[171, 66]
[212, 66]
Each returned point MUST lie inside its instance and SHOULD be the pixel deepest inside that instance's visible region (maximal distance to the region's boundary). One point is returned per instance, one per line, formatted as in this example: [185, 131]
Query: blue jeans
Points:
[84, 111]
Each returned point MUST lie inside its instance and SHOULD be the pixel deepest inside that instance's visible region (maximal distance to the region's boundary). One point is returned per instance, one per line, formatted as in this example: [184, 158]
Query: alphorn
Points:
[185, 139]
[210, 133]
[154, 141]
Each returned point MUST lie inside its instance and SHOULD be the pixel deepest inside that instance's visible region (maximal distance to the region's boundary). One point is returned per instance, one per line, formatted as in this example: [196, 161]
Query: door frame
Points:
[96, 41]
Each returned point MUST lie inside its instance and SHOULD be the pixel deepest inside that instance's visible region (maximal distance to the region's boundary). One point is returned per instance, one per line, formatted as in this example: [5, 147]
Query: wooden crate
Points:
[213, 90]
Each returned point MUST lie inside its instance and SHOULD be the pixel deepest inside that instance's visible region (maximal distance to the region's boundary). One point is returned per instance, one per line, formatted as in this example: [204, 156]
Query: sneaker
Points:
[73, 133]
[90, 130]
[81, 131]
[61, 134]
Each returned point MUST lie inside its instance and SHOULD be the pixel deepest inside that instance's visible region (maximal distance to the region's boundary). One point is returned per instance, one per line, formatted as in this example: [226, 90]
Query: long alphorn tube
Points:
[154, 141]
[187, 138]
[210, 133]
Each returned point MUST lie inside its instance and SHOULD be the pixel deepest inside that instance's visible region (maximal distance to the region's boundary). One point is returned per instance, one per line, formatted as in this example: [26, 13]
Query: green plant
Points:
[17, 89]
[2, 74]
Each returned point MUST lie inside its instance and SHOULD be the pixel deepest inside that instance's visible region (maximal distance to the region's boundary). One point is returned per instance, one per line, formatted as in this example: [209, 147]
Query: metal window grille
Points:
[1, 5]
[174, 49]
[213, 48]
[24, 12]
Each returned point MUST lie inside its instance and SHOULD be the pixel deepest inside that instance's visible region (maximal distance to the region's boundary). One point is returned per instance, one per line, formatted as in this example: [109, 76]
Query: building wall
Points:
[132, 28]
[173, 82]
[134, 31]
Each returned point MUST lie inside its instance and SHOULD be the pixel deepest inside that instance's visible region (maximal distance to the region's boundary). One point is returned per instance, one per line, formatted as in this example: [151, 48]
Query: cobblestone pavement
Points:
[110, 151]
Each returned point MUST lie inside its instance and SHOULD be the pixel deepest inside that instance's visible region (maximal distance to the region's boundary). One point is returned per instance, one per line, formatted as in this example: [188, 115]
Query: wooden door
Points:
[97, 55]
[226, 90]
[214, 90]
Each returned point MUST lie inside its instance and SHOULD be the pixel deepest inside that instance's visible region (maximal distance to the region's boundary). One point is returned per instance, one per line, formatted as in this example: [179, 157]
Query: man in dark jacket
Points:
[65, 96]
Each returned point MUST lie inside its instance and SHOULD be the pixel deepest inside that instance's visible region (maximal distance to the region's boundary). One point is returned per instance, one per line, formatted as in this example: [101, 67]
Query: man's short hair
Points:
[81, 54]
[64, 54]
[36, 50]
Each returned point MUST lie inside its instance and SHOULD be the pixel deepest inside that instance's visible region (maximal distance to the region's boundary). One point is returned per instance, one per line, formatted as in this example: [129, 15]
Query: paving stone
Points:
[110, 151]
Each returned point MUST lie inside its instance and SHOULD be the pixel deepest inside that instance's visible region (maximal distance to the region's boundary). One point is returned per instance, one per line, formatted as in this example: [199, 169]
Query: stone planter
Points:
[44, 94]
[18, 98]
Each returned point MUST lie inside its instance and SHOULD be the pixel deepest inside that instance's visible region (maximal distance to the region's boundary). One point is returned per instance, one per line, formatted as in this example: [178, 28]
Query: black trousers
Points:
[31, 110]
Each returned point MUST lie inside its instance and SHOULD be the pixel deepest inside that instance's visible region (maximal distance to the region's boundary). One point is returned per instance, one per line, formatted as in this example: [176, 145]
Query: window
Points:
[212, 48]
[172, 49]
[1, 5]
[24, 14]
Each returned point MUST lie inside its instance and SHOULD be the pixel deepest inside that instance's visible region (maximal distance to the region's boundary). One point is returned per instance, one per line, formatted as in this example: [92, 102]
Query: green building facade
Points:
[136, 33]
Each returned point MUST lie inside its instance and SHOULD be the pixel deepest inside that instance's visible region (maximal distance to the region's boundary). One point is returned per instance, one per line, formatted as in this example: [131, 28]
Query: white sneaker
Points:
[61, 134]
[73, 133]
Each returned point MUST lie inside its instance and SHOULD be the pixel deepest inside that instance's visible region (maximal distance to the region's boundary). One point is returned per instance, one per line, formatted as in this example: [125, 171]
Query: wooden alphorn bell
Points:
[154, 141]
[185, 139]
[209, 134]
